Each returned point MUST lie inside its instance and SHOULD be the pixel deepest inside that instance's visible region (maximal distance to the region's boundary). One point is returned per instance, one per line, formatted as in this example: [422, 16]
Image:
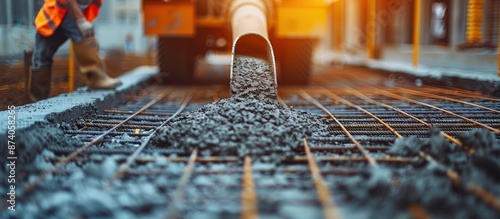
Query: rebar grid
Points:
[369, 119]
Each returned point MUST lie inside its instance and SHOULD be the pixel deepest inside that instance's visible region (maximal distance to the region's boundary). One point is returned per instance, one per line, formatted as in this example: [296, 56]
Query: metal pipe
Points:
[416, 32]
[31, 13]
[341, 22]
[248, 21]
[71, 68]
[249, 209]
[371, 28]
[474, 21]
[8, 12]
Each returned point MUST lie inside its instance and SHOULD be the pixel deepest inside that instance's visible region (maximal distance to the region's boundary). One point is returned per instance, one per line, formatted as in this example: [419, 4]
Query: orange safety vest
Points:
[52, 13]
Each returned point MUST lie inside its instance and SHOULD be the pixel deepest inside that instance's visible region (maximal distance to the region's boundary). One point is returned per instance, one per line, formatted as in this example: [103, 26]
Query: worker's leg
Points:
[40, 73]
[70, 30]
[87, 55]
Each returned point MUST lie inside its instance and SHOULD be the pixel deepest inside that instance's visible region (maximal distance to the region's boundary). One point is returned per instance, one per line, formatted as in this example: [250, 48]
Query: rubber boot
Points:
[91, 65]
[39, 84]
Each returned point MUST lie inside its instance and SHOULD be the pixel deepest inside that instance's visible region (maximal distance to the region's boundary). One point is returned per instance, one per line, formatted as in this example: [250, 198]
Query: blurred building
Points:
[465, 32]
[22, 11]
[16, 25]
[443, 22]
[119, 26]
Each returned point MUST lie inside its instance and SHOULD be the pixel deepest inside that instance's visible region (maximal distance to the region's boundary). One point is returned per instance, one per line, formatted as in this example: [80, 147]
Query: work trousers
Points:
[46, 47]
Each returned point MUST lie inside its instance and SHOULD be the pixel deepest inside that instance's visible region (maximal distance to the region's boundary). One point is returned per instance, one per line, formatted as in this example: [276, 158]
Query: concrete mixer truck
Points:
[282, 31]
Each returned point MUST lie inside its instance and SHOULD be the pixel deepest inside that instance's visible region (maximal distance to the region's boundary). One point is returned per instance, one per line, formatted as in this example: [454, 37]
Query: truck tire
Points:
[176, 59]
[294, 60]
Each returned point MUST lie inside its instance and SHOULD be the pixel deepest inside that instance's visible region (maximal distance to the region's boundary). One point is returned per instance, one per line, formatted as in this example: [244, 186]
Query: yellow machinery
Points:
[282, 31]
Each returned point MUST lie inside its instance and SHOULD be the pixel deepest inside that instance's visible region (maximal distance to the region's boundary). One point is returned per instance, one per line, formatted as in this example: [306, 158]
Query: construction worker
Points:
[56, 22]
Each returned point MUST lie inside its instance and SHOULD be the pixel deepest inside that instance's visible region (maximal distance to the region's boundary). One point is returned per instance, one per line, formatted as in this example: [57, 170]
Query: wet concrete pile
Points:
[390, 193]
[28, 148]
[250, 122]
[78, 190]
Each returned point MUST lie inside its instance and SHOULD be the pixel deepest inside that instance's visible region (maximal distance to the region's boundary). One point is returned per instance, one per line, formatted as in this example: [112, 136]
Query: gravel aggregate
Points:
[250, 122]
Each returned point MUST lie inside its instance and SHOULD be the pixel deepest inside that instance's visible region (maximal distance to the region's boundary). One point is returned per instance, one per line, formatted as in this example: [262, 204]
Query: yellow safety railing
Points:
[71, 68]
[338, 28]
[416, 31]
[372, 25]
[475, 13]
